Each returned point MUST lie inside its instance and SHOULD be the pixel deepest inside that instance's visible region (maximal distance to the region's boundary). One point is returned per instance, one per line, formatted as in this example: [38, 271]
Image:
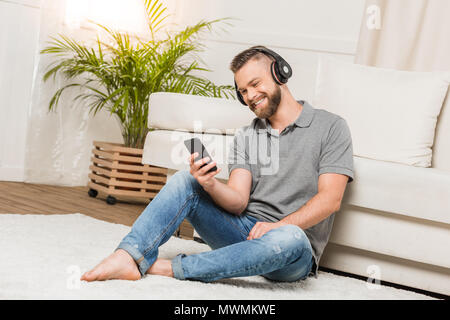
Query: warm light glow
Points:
[123, 15]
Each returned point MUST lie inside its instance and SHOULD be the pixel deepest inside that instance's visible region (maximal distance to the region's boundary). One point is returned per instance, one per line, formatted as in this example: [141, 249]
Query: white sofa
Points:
[394, 221]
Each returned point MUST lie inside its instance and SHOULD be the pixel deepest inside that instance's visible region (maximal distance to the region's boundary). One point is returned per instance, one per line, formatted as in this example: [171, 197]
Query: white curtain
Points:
[59, 144]
[406, 35]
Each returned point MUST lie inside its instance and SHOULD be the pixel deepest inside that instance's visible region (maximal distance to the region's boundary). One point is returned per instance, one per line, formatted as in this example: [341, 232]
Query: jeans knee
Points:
[184, 179]
[181, 174]
[292, 237]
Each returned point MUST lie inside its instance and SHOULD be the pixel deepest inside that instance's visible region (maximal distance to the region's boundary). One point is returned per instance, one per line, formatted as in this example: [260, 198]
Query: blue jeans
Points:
[282, 254]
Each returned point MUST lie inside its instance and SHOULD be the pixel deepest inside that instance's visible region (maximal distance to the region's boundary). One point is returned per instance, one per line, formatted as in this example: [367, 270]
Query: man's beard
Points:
[273, 101]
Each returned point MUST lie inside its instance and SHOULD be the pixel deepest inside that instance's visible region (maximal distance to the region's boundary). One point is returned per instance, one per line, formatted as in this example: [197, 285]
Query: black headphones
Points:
[281, 70]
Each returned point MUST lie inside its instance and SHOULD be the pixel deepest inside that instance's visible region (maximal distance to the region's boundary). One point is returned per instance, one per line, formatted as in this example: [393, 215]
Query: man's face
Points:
[257, 87]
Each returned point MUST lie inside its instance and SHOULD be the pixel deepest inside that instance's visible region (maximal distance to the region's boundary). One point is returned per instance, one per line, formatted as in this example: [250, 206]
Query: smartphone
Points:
[195, 145]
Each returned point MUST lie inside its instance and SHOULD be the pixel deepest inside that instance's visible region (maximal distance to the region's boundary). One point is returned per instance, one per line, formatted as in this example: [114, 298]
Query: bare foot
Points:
[161, 267]
[119, 265]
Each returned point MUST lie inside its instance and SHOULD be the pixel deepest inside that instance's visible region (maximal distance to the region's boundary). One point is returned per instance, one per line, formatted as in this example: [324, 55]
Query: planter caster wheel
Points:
[110, 200]
[92, 193]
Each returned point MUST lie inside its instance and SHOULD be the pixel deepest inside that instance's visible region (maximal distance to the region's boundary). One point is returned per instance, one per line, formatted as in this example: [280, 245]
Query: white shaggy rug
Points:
[43, 256]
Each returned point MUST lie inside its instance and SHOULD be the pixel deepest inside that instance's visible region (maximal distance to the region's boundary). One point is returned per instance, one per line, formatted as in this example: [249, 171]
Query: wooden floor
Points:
[25, 198]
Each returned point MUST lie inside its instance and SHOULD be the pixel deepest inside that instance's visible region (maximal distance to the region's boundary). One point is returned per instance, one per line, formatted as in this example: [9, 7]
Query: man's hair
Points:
[246, 55]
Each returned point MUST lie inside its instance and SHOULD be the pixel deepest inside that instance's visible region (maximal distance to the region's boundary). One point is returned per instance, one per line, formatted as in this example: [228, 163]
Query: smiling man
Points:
[271, 219]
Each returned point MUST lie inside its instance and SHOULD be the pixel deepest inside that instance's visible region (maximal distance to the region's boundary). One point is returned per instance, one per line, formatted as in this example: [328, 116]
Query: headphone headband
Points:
[268, 52]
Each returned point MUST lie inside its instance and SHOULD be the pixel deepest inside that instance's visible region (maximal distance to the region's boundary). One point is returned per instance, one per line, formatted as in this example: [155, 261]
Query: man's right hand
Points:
[205, 179]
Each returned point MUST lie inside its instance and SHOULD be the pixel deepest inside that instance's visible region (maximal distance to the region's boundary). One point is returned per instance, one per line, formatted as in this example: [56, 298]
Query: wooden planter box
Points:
[185, 230]
[118, 171]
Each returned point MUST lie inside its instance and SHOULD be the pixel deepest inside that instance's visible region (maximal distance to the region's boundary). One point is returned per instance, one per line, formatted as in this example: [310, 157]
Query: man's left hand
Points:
[260, 228]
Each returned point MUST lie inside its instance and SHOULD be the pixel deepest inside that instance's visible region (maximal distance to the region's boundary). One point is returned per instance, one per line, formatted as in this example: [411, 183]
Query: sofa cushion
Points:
[391, 187]
[184, 112]
[391, 114]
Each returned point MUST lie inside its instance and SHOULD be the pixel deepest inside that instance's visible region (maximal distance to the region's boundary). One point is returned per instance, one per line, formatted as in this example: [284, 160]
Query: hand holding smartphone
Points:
[195, 145]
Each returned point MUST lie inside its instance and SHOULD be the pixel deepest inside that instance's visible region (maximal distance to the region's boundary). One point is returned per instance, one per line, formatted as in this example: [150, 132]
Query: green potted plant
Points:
[119, 77]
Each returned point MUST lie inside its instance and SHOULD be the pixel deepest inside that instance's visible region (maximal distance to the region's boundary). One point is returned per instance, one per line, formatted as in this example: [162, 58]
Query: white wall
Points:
[19, 34]
[298, 30]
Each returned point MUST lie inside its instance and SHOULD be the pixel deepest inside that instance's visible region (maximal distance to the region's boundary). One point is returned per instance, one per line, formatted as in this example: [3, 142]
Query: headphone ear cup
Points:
[284, 70]
[238, 95]
[240, 98]
[275, 74]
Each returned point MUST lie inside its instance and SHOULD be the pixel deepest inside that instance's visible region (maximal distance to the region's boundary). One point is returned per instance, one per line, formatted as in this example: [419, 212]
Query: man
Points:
[271, 220]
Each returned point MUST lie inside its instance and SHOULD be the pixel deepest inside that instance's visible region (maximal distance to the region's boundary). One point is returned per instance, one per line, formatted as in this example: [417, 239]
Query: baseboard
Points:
[386, 283]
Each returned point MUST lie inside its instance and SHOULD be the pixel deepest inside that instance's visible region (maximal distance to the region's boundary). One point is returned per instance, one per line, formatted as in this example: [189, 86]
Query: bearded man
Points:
[271, 219]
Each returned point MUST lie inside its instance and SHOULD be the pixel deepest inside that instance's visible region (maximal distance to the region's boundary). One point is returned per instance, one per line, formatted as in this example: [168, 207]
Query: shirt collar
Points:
[303, 121]
[306, 116]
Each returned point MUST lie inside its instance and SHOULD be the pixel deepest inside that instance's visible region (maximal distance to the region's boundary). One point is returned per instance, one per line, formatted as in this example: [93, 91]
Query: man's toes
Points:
[89, 276]
[85, 276]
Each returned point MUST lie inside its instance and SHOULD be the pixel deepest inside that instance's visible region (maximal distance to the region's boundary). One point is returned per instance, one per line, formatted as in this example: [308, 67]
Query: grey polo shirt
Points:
[285, 166]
